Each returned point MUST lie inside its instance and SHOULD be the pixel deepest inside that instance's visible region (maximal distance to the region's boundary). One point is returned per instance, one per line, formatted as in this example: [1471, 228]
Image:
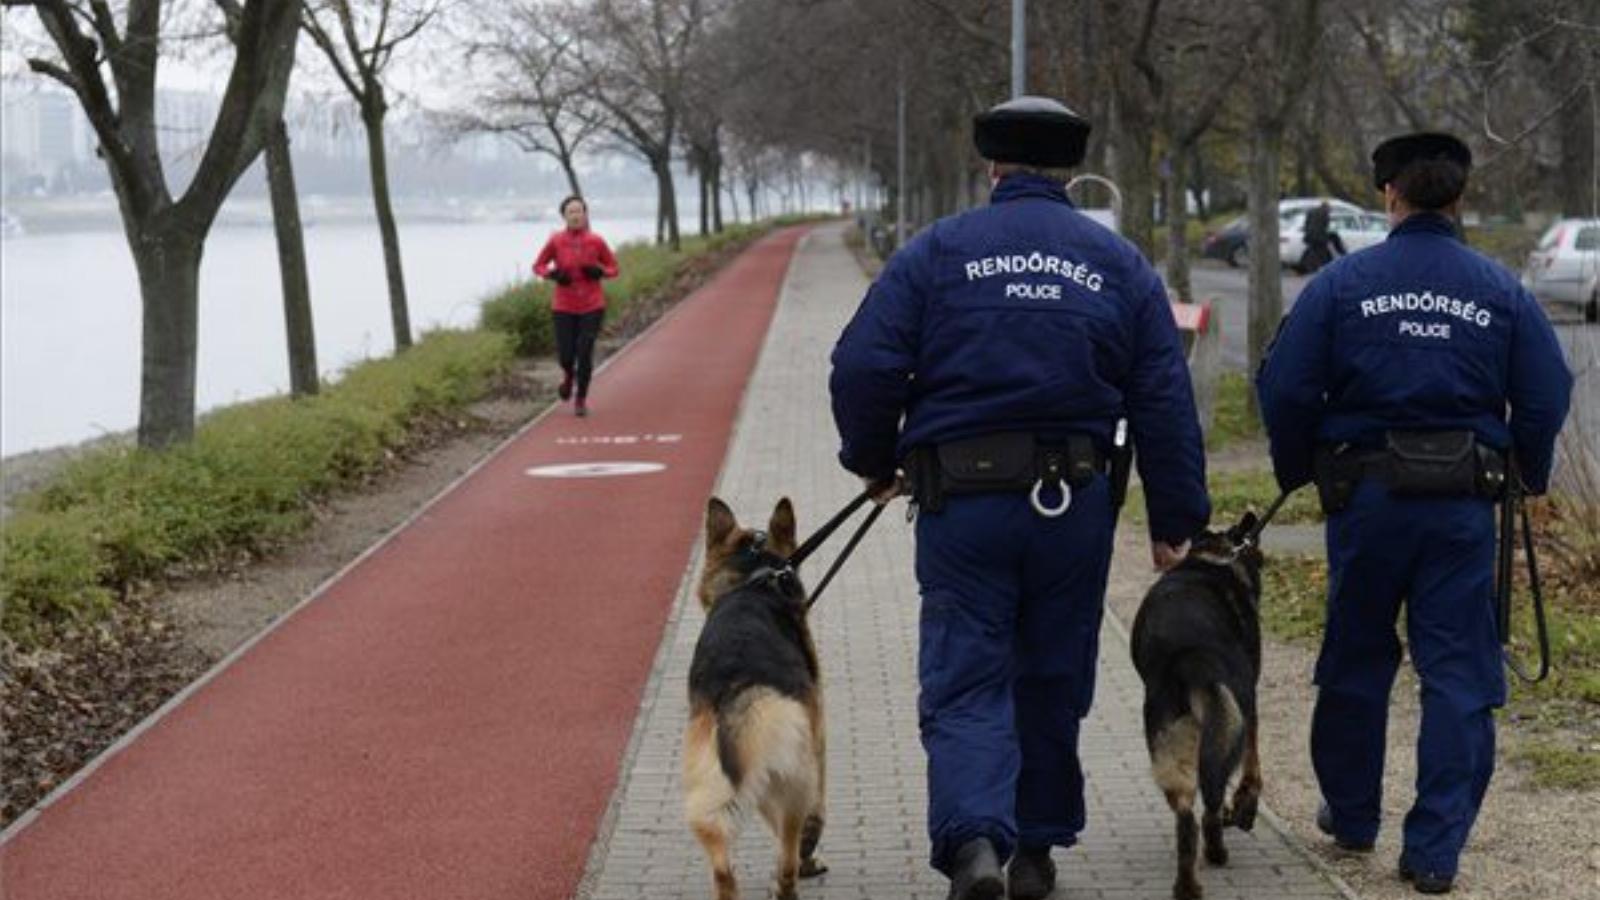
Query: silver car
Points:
[1356, 227]
[1561, 271]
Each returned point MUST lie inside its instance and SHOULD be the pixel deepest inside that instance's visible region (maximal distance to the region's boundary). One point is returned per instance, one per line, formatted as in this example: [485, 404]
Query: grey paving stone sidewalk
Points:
[875, 841]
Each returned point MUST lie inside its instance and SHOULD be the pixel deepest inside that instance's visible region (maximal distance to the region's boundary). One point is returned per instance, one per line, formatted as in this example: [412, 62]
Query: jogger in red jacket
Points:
[576, 258]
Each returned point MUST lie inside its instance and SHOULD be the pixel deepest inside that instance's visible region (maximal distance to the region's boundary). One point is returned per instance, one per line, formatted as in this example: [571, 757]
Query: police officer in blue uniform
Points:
[1389, 385]
[993, 359]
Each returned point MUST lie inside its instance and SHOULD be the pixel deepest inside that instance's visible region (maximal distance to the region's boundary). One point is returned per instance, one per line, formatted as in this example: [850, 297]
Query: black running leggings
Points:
[575, 336]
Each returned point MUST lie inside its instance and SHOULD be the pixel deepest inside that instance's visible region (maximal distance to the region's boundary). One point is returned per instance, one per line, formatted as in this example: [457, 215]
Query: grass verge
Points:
[1232, 422]
[1235, 492]
[114, 520]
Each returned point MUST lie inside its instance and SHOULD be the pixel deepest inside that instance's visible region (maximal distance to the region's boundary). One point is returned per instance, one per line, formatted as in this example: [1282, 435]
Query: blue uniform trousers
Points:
[1438, 556]
[1011, 607]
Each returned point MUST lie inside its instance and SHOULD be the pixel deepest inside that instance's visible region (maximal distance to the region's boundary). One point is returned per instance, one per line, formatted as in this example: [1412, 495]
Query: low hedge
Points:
[116, 518]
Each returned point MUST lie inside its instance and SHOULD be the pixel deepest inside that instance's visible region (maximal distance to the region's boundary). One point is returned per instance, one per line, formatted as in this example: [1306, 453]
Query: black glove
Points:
[559, 277]
[595, 273]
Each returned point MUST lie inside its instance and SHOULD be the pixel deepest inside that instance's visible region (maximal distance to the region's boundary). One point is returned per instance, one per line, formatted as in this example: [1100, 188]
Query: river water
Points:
[69, 312]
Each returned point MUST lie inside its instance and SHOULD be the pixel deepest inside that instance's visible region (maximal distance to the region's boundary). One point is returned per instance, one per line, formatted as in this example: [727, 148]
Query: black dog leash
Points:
[1253, 536]
[1513, 506]
[826, 531]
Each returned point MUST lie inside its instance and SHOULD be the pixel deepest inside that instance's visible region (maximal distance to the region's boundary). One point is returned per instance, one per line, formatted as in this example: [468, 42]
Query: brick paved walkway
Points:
[866, 629]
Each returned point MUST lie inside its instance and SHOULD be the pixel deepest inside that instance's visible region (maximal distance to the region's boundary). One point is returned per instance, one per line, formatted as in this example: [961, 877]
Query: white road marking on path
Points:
[595, 469]
[623, 439]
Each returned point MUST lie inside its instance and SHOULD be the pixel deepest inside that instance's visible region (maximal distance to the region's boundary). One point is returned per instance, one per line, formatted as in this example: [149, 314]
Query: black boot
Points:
[1426, 882]
[1325, 825]
[1032, 874]
[975, 874]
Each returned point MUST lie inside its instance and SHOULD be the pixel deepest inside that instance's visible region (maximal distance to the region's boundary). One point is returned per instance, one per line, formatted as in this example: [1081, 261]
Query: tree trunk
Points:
[750, 187]
[1266, 279]
[572, 175]
[400, 316]
[705, 204]
[1197, 181]
[667, 201]
[1132, 135]
[1177, 227]
[716, 195]
[298, 325]
[1302, 166]
[1578, 127]
[168, 263]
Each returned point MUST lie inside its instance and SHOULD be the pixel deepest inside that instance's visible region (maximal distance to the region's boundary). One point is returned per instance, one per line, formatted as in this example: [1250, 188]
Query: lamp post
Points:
[1019, 47]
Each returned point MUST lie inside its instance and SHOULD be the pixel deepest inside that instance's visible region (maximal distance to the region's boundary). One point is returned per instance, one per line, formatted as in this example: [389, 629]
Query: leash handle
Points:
[1515, 506]
[838, 562]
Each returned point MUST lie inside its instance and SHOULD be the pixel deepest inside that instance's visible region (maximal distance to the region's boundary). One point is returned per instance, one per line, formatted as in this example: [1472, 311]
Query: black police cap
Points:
[1034, 131]
[1393, 155]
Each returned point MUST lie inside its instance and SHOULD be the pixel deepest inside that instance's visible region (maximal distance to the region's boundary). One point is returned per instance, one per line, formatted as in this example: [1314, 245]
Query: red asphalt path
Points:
[447, 719]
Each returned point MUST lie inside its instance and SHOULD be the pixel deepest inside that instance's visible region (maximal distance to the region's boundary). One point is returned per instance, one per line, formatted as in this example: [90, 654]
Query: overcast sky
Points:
[413, 76]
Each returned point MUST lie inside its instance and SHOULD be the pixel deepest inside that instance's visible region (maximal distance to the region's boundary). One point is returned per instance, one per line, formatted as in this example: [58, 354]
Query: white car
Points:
[1562, 270]
[1289, 207]
[1358, 228]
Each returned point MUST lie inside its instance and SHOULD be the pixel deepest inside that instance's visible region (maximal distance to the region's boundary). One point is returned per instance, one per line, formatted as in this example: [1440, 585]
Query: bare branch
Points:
[46, 67]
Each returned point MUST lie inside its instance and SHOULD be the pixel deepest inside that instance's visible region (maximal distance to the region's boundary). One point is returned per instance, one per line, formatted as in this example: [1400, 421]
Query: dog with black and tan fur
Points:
[1197, 645]
[755, 736]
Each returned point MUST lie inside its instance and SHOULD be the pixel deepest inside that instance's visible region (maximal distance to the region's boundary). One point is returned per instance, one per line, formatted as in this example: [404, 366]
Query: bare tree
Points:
[533, 94]
[299, 328]
[1194, 72]
[1287, 35]
[636, 56]
[358, 38]
[166, 234]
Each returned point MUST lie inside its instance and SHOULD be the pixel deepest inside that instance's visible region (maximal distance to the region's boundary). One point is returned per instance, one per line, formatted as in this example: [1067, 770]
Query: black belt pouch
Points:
[1433, 463]
[977, 465]
[990, 462]
[1336, 472]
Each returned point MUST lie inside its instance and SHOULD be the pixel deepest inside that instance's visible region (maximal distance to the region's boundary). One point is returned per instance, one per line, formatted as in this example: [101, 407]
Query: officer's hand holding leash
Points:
[1165, 556]
[882, 490]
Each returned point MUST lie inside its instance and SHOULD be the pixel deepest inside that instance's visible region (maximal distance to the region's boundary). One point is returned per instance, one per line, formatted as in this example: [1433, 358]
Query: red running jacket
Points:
[570, 251]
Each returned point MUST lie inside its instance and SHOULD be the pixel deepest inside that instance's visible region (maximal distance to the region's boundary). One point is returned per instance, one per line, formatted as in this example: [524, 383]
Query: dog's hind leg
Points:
[785, 808]
[709, 802]
[1187, 886]
[788, 828]
[716, 839]
[1248, 795]
[1222, 739]
[1175, 758]
[812, 865]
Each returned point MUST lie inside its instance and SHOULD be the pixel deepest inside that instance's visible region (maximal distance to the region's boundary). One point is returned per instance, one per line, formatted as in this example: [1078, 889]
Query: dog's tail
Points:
[760, 743]
[1222, 723]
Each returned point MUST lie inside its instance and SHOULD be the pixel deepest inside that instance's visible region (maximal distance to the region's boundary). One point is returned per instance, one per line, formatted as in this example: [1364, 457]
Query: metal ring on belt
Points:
[1035, 497]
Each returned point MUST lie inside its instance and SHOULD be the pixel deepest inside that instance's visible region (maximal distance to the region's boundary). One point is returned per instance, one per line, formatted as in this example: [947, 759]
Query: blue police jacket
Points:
[1417, 333]
[1023, 315]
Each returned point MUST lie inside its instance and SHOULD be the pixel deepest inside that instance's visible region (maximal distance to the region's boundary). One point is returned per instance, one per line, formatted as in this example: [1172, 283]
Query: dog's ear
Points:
[781, 530]
[720, 523]
[1239, 532]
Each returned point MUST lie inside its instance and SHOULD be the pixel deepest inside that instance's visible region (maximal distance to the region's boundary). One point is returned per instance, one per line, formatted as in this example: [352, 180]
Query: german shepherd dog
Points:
[1197, 646]
[755, 735]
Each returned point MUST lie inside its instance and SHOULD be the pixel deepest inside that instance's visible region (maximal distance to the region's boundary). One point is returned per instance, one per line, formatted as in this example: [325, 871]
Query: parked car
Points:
[1231, 243]
[1358, 229]
[1562, 269]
